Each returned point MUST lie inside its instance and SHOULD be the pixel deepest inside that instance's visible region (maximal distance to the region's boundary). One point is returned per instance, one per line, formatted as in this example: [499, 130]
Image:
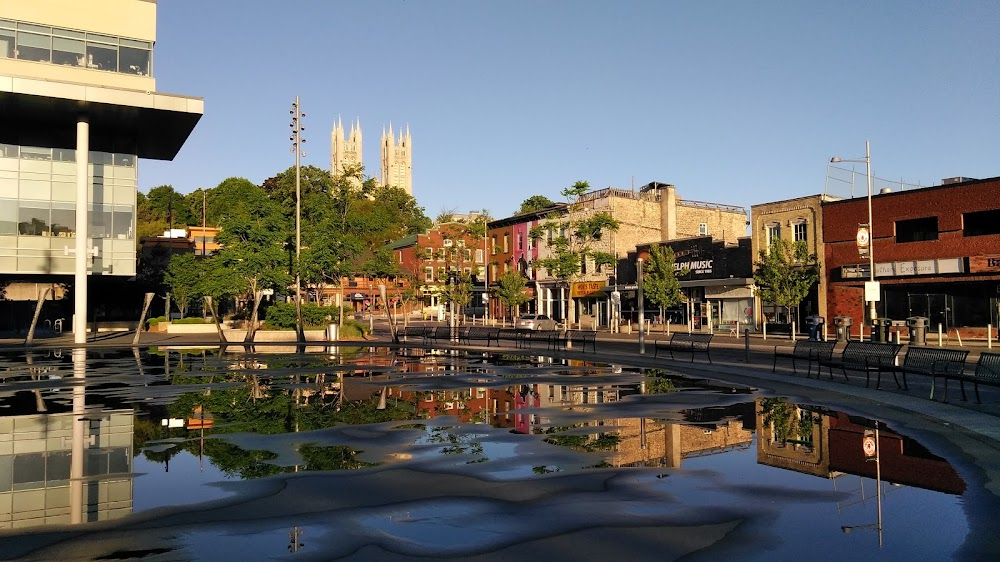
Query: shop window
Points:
[917, 230]
[981, 223]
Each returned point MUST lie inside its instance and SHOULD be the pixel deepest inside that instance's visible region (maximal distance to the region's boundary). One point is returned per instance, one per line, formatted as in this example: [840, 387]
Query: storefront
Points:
[590, 303]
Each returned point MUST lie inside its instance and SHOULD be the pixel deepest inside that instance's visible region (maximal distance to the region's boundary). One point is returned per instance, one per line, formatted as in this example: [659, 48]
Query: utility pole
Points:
[642, 315]
[297, 142]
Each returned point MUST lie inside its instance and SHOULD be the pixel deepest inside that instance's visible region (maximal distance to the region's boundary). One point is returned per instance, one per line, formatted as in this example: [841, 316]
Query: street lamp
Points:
[642, 313]
[297, 141]
[871, 237]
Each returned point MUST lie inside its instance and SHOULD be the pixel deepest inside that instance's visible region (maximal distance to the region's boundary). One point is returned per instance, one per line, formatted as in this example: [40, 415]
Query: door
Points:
[935, 307]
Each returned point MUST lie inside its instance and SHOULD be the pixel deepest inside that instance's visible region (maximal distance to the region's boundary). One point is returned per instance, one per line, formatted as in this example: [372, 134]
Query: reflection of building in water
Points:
[35, 459]
[645, 442]
[827, 444]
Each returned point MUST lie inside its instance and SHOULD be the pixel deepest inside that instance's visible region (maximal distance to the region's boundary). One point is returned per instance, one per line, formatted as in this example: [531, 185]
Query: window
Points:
[493, 246]
[506, 243]
[479, 256]
[468, 254]
[520, 242]
[447, 243]
[773, 233]
[703, 229]
[33, 218]
[917, 230]
[800, 231]
[428, 273]
[981, 223]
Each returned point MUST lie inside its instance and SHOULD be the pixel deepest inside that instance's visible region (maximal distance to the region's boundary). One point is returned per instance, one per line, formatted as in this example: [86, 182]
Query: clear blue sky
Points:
[731, 101]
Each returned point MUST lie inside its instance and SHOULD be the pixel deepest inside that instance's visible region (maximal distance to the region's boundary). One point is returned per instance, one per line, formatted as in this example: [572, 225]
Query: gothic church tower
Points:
[397, 160]
[345, 151]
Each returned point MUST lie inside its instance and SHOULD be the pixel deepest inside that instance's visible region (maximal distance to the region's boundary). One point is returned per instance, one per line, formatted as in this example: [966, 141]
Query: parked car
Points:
[535, 322]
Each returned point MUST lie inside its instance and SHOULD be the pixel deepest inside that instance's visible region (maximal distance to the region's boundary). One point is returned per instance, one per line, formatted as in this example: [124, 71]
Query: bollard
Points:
[746, 345]
[959, 336]
[940, 336]
[765, 330]
[793, 331]
[989, 336]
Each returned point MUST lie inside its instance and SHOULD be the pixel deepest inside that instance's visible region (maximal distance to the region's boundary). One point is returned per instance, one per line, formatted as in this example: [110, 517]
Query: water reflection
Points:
[422, 442]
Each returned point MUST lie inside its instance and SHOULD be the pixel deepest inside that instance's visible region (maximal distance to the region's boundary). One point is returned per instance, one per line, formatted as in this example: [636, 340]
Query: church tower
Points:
[345, 151]
[397, 160]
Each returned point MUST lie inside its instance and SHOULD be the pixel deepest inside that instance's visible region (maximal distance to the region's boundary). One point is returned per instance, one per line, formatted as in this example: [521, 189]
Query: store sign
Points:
[982, 264]
[694, 266]
[587, 289]
[728, 292]
[854, 271]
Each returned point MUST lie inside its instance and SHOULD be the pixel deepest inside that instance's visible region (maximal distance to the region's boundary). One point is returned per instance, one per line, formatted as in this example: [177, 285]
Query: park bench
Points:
[582, 337]
[807, 350]
[933, 362]
[545, 336]
[681, 341]
[511, 334]
[987, 372]
[415, 333]
[863, 356]
[469, 334]
[439, 333]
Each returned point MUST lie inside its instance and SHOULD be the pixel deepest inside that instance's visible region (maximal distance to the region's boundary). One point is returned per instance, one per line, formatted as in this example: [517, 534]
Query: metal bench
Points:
[933, 362]
[987, 372]
[511, 334]
[415, 332]
[866, 357]
[438, 333]
[689, 343]
[808, 350]
[470, 334]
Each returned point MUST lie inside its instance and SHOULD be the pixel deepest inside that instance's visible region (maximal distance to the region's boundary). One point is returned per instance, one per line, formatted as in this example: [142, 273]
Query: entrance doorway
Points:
[937, 308]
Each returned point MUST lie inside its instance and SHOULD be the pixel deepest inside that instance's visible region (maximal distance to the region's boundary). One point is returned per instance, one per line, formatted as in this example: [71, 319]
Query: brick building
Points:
[936, 252]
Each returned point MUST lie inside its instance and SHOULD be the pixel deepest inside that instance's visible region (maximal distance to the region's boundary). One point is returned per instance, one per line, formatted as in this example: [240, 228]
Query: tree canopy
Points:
[534, 204]
[660, 284]
[785, 273]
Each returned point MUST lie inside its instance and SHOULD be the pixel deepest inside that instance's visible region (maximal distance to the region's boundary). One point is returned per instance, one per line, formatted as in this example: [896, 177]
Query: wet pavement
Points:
[359, 452]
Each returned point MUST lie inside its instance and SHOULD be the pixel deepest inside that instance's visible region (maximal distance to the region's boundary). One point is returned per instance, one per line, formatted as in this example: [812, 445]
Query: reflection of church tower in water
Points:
[397, 160]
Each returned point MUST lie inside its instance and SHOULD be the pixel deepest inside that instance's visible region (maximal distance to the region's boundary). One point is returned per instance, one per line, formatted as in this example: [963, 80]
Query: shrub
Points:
[154, 321]
[192, 320]
[353, 329]
[281, 315]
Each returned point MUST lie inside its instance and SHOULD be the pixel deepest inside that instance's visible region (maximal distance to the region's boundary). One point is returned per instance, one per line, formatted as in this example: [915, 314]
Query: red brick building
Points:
[936, 252]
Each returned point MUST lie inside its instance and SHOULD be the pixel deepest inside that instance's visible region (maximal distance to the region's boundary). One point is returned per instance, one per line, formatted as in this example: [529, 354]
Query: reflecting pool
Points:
[370, 453]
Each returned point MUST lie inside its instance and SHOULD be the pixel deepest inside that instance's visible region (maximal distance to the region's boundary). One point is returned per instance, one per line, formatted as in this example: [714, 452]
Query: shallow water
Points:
[369, 453]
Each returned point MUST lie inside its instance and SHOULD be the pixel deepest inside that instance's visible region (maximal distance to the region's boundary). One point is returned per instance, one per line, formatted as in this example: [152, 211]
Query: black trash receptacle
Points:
[843, 325]
[815, 325]
[918, 329]
[880, 330]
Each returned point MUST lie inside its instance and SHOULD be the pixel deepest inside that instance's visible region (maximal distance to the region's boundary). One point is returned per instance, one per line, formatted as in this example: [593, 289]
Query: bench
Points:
[470, 334]
[415, 332]
[546, 336]
[864, 356]
[582, 337]
[933, 362]
[438, 333]
[987, 372]
[689, 343]
[807, 350]
[511, 334]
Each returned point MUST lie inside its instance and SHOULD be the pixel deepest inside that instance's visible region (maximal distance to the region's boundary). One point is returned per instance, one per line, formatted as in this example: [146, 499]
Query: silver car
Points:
[535, 322]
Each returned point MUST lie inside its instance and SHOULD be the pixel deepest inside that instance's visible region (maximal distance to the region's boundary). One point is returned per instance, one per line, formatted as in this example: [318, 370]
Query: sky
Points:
[735, 102]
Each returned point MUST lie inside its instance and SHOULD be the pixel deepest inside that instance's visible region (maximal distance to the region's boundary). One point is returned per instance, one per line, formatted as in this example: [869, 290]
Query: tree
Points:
[510, 290]
[785, 273]
[534, 204]
[576, 236]
[446, 215]
[170, 206]
[660, 284]
[183, 276]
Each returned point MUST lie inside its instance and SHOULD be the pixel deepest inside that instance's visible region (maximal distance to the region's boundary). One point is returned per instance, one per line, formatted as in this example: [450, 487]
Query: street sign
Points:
[868, 444]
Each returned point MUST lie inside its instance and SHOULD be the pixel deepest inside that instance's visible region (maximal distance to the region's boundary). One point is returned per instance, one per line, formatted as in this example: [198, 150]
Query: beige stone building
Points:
[793, 220]
[397, 160]
[653, 213]
[345, 150]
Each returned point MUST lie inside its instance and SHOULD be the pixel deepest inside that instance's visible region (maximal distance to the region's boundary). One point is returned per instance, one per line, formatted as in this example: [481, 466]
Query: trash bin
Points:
[880, 330]
[918, 329]
[333, 332]
[815, 325]
[843, 325]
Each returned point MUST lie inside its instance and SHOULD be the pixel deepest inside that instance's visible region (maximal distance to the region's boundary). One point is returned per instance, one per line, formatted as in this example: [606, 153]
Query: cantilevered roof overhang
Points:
[150, 125]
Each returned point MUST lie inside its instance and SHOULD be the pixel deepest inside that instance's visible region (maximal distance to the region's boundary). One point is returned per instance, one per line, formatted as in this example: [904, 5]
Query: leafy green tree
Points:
[575, 239]
[170, 206]
[510, 290]
[534, 204]
[785, 273]
[184, 277]
[660, 284]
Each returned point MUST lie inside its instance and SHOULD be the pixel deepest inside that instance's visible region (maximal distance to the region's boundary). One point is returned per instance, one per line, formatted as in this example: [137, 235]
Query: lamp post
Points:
[871, 238]
[297, 141]
[642, 312]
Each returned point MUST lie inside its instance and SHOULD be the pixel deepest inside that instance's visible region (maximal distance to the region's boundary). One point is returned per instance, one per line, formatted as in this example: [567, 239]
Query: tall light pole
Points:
[642, 312]
[297, 142]
[869, 236]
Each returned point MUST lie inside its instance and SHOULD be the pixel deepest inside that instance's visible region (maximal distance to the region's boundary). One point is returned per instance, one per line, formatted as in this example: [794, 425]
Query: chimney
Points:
[668, 212]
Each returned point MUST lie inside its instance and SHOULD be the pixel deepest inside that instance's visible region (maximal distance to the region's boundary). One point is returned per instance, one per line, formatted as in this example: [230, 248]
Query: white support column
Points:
[82, 234]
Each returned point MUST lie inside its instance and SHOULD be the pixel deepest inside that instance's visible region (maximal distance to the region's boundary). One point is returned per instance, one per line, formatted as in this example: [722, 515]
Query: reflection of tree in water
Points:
[603, 442]
[457, 444]
[657, 382]
[788, 421]
[241, 403]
